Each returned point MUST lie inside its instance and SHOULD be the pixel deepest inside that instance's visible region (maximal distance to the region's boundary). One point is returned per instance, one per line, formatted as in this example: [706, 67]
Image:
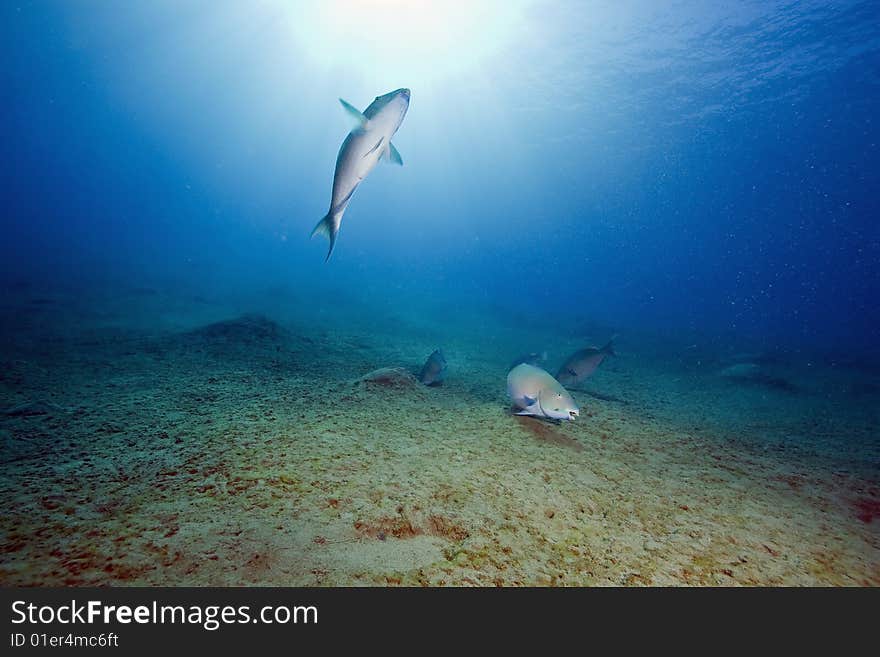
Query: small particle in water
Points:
[381, 536]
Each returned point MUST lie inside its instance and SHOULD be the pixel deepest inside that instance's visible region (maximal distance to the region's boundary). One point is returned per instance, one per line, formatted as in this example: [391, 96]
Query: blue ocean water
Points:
[684, 166]
[698, 178]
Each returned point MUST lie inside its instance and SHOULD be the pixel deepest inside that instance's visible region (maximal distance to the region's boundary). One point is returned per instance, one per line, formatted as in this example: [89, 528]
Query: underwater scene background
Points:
[189, 394]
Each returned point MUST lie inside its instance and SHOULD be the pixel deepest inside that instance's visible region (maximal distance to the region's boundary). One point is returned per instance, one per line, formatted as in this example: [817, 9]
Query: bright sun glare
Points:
[419, 40]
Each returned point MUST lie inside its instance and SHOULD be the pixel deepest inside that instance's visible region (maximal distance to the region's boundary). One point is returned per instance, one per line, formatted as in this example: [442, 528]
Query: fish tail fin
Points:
[609, 347]
[329, 226]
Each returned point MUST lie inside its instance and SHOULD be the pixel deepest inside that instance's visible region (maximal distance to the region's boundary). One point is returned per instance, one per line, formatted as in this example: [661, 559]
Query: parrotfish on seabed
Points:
[434, 370]
[535, 392]
[369, 142]
[583, 363]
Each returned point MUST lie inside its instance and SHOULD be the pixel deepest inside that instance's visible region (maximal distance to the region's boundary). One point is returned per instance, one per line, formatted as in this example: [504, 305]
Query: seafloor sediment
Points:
[246, 452]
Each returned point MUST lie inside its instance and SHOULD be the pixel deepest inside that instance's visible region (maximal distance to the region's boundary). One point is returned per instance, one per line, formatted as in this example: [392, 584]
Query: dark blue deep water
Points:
[686, 167]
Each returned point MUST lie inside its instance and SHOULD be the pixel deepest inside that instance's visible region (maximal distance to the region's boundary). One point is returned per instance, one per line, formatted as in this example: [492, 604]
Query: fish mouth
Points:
[572, 415]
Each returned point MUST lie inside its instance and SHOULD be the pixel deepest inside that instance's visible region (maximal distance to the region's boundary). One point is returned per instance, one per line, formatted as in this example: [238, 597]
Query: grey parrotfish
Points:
[535, 392]
[434, 370]
[581, 364]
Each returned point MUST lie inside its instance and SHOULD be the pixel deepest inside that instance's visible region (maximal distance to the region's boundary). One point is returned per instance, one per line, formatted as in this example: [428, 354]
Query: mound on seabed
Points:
[390, 377]
[250, 337]
[246, 329]
[751, 373]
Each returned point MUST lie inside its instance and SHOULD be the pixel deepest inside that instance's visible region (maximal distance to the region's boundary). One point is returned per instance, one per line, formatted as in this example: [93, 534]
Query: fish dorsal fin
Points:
[355, 113]
[391, 155]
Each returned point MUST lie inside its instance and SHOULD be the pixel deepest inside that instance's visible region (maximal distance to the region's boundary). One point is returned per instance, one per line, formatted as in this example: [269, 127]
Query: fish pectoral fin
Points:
[530, 401]
[526, 412]
[376, 147]
[355, 113]
[392, 155]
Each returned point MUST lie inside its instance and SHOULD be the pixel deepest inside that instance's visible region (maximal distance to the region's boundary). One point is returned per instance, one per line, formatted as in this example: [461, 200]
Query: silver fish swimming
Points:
[362, 149]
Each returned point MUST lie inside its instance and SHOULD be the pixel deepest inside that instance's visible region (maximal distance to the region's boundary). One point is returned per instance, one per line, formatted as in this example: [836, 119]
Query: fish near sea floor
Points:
[534, 392]
[583, 363]
[251, 459]
[433, 372]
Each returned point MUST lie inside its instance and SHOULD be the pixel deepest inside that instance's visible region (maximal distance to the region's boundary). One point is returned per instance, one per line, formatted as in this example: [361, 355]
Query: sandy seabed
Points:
[229, 449]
